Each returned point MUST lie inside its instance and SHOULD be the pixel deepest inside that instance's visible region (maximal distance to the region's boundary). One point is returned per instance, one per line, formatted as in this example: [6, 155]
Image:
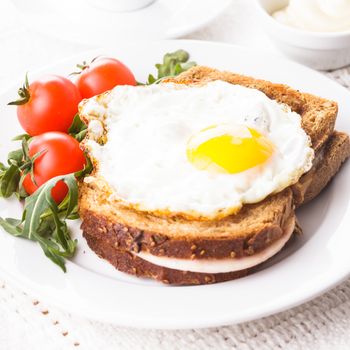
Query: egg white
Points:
[144, 159]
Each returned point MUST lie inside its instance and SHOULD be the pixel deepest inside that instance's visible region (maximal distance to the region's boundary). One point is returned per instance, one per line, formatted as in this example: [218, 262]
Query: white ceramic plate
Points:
[79, 21]
[310, 265]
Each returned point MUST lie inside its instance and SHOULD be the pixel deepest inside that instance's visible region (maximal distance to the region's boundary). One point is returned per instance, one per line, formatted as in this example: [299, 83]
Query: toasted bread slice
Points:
[114, 231]
[112, 240]
[326, 165]
[256, 225]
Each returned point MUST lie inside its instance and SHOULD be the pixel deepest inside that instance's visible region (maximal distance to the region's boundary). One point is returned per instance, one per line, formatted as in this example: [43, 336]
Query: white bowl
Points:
[324, 51]
[120, 5]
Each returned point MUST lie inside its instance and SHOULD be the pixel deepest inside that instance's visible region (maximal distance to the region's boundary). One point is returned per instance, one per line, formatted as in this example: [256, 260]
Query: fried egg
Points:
[200, 151]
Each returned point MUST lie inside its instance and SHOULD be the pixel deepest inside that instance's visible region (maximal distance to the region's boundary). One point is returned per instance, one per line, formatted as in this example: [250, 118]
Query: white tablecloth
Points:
[27, 323]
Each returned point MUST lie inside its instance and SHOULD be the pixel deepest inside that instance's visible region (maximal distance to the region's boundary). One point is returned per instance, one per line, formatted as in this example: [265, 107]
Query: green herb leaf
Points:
[68, 208]
[21, 192]
[78, 129]
[80, 135]
[12, 226]
[86, 170]
[173, 64]
[60, 226]
[2, 168]
[10, 175]
[9, 181]
[52, 253]
[25, 149]
[151, 79]
[15, 157]
[37, 203]
[44, 221]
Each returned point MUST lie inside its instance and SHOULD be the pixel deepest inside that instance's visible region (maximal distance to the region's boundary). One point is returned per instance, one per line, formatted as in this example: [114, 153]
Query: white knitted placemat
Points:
[322, 324]
[27, 323]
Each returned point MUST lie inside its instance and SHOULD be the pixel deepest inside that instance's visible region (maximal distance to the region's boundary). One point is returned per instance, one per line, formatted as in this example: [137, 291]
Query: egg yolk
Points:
[229, 152]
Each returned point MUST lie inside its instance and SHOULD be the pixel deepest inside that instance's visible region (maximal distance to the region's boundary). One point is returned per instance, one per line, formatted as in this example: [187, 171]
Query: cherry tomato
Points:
[103, 74]
[61, 155]
[47, 104]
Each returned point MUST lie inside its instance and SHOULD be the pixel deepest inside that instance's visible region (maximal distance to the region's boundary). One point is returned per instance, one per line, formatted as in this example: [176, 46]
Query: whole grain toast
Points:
[126, 262]
[326, 165]
[110, 227]
[249, 231]
[116, 242]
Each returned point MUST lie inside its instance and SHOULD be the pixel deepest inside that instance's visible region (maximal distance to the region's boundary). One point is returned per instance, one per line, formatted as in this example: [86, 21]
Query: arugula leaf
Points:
[38, 202]
[44, 221]
[51, 252]
[10, 175]
[68, 208]
[21, 193]
[15, 157]
[20, 163]
[78, 129]
[9, 181]
[3, 169]
[173, 64]
[12, 226]
[86, 170]
[151, 79]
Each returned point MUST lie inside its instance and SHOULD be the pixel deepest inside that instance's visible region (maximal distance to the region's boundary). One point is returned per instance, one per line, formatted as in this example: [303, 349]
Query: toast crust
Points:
[327, 164]
[131, 230]
[127, 262]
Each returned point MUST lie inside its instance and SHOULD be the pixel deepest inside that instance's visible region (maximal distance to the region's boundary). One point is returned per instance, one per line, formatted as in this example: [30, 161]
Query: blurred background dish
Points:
[320, 50]
[120, 5]
[316, 15]
[80, 21]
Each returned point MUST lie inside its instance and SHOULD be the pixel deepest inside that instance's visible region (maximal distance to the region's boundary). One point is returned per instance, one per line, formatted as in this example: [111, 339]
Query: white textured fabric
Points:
[321, 324]
[26, 323]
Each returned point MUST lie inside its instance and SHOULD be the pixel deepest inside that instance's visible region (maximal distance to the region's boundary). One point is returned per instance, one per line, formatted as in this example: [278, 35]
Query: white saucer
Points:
[78, 21]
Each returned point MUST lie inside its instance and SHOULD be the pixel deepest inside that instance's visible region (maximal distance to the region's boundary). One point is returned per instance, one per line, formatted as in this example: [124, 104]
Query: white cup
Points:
[120, 5]
[329, 50]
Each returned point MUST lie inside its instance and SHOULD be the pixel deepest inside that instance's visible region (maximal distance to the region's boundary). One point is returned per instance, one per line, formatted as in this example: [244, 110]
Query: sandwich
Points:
[196, 180]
